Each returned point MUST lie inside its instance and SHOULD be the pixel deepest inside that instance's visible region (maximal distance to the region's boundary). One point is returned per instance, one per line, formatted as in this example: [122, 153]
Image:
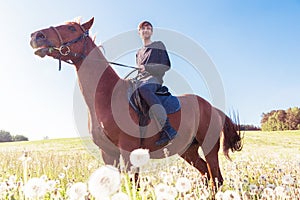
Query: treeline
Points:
[281, 120]
[249, 127]
[5, 136]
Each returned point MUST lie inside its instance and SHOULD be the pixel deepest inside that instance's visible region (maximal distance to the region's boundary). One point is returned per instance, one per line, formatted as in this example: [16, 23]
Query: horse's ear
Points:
[88, 25]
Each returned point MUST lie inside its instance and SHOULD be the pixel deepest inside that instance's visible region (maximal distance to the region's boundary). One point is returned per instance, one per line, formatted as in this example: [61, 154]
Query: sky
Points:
[254, 46]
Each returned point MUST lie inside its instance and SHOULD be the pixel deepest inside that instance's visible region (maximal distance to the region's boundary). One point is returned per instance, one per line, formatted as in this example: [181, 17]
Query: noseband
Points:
[64, 48]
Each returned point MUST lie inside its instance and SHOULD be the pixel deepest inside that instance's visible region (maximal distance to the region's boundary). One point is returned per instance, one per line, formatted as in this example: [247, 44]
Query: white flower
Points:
[61, 175]
[120, 196]
[165, 196]
[168, 179]
[11, 183]
[44, 177]
[139, 157]
[279, 191]
[161, 188]
[204, 193]
[172, 191]
[35, 188]
[51, 185]
[287, 180]
[253, 189]
[174, 169]
[3, 188]
[183, 184]
[163, 191]
[219, 195]
[104, 181]
[25, 158]
[268, 193]
[78, 191]
[231, 195]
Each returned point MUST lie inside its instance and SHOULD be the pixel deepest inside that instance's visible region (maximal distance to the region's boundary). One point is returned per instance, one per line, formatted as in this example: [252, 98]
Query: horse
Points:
[113, 123]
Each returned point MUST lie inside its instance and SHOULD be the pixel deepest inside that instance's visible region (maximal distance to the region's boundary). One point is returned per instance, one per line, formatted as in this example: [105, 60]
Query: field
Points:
[268, 167]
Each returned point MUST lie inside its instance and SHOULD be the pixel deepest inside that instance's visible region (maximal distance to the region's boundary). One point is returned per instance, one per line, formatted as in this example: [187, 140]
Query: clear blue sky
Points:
[255, 46]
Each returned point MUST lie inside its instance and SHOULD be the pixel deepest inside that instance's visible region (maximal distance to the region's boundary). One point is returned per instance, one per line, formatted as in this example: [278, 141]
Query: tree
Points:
[18, 138]
[279, 120]
[293, 118]
[5, 136]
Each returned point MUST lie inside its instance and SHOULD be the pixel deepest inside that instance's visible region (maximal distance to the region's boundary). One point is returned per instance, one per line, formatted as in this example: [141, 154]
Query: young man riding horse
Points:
[153, 61]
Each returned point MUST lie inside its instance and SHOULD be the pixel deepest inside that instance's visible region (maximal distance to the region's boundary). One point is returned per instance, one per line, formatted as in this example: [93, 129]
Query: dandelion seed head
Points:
[183, 184]
[168, 179]
[165, 196]
[166, 152]
[204, 193]
[268, 192]
[219, 195]
[279, 191]
[165, 192]
[66, 167]
[174, 169]
[231, 195]
[3, 188]
[253, 189]
[44, 177]
[120, 196]
[35, 188]
[104, 181]
[61, 175]
[160, 188]
[287, 180]
[139, 157]
[77, 191]
[51, 185]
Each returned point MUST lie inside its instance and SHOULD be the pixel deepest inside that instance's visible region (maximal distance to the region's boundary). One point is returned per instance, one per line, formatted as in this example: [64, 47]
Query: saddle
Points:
[170, 103]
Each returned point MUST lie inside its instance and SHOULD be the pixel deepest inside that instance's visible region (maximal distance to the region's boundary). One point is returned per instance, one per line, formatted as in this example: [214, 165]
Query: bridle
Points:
[64, 47]
[64, 50]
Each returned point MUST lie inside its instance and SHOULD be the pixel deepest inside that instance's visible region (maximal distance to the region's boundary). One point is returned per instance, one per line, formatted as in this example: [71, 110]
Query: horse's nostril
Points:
[40, 36]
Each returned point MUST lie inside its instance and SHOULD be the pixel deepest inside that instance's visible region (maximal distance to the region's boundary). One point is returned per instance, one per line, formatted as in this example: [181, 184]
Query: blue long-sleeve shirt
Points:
[155, 59]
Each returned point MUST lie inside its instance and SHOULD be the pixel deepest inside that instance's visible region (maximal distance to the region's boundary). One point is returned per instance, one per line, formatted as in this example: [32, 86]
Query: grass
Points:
[265, 161]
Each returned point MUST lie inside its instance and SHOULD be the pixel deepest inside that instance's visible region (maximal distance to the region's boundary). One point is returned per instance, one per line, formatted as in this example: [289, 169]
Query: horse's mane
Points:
[76, 20]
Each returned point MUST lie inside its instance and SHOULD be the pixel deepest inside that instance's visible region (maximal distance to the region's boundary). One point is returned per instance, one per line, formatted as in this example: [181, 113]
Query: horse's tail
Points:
[232, 138]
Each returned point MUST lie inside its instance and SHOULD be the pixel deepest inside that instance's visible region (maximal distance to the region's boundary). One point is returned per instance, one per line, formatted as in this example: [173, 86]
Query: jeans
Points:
[147, 91]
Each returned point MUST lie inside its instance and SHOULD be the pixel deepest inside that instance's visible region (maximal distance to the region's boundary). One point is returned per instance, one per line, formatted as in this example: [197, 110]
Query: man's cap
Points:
[144, 23]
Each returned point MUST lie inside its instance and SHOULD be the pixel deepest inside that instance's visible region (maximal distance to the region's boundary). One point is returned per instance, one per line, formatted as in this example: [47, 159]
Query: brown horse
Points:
[114, 124]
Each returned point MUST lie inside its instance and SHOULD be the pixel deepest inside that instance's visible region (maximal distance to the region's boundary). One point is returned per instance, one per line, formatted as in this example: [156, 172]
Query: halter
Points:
[64, 48]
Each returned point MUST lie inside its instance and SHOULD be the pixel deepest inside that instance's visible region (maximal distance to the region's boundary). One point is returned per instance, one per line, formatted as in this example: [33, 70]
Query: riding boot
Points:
[167, 132]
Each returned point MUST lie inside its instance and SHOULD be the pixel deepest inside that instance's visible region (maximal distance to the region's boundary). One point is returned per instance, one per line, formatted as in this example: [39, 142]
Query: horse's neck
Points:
[94, 74]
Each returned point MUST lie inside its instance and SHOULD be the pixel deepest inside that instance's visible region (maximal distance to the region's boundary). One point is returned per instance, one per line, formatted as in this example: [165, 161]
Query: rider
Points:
[153, 61]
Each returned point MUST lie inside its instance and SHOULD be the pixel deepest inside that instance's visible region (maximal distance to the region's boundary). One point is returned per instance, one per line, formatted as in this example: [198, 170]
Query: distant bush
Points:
[20, 138]
[5, 136]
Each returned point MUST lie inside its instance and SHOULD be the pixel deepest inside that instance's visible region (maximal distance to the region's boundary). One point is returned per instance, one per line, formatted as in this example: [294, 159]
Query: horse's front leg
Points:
[111, 158]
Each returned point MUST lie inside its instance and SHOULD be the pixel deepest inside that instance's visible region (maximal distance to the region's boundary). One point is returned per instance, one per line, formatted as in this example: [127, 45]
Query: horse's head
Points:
[65, 42]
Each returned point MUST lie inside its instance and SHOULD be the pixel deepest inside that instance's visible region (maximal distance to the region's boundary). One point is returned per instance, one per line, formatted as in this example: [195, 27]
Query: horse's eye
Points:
[72, 28]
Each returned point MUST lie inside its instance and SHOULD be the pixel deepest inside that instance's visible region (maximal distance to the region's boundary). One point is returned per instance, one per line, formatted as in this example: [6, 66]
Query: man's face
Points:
[145, 31]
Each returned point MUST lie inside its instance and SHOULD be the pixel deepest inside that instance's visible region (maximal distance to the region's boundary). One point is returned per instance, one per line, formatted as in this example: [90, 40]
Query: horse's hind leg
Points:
[191, 155]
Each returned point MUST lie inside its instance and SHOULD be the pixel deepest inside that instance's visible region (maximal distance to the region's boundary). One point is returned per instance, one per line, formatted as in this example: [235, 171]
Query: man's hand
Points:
[142, 68]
